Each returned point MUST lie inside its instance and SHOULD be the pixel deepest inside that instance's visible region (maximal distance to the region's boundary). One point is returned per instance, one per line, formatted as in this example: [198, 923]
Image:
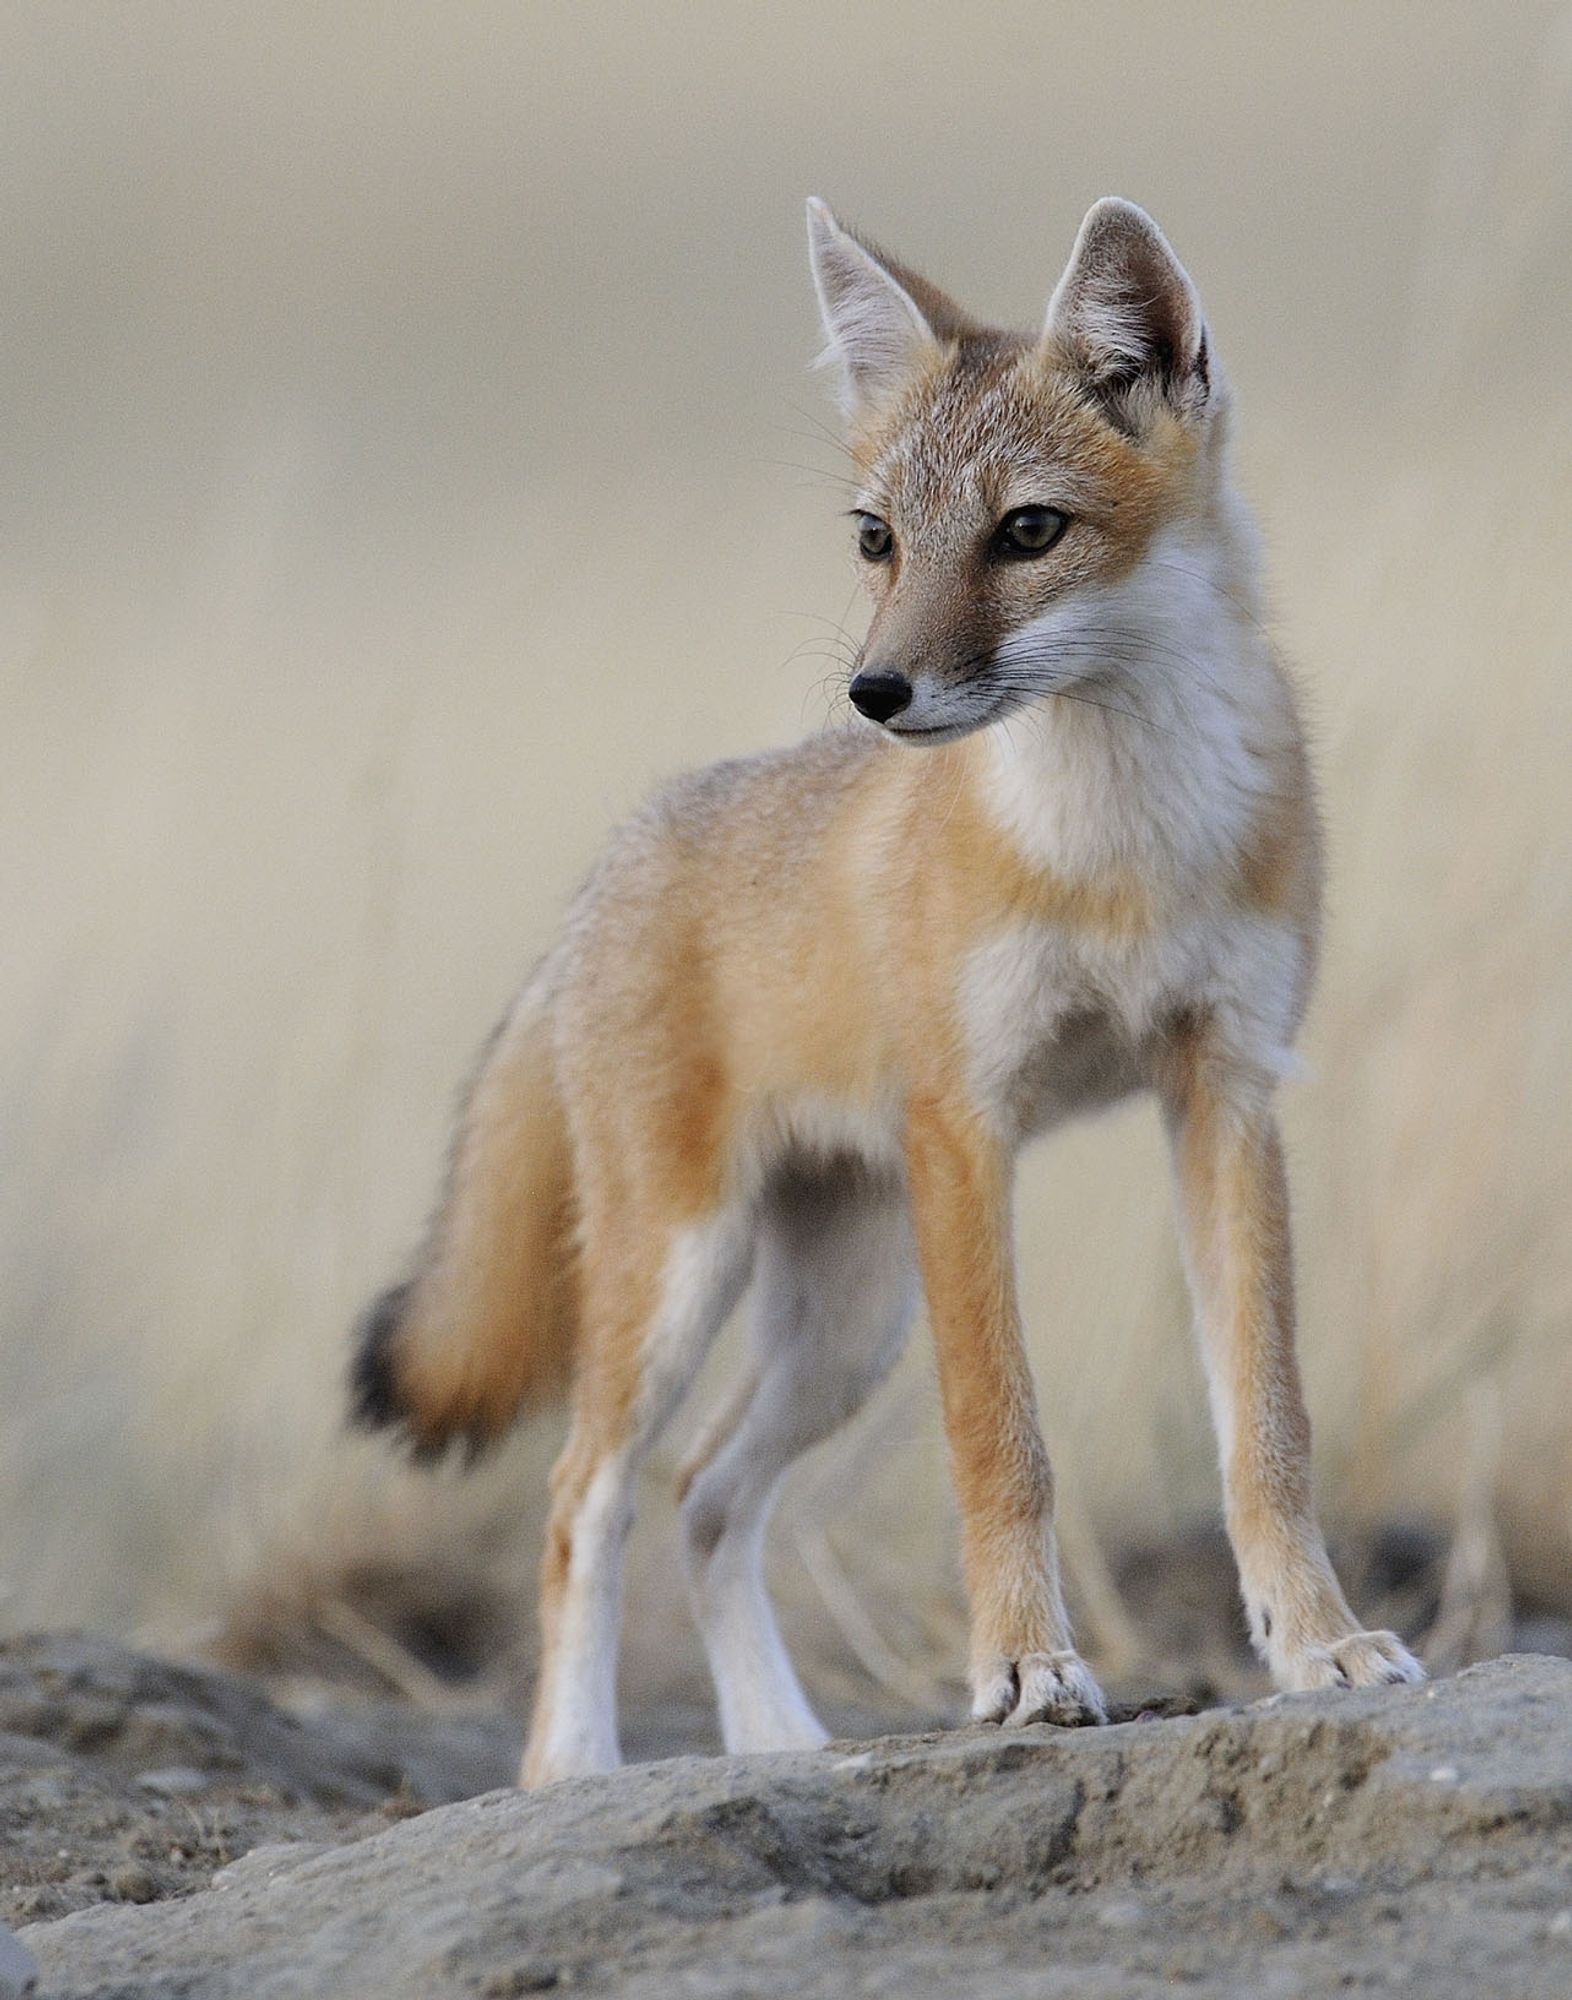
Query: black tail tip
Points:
[375, 1400]
[378, 1401]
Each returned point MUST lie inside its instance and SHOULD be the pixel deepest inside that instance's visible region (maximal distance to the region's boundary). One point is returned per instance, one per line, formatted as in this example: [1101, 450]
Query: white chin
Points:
[926, 735]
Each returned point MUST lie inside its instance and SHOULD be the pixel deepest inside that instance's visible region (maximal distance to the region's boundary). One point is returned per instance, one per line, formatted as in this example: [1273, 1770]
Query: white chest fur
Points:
[1056, 1026]
[1151, 777]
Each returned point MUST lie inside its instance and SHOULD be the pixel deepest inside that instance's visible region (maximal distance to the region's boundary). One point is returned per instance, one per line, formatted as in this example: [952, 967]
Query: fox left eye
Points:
[875, 539]
[1030, 531]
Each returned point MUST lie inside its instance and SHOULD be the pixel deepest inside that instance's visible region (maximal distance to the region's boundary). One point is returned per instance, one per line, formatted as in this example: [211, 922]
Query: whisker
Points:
[1116, 646]
[821, 647]
[1024, 695]
[820, 431]
[1200, 576]
[818, 472]
[834, 630]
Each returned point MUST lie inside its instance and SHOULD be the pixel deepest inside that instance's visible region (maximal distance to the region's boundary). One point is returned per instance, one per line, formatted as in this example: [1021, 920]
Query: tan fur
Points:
[1234, 1199]
[855, 972]
[488, 1321]
[960, 1189]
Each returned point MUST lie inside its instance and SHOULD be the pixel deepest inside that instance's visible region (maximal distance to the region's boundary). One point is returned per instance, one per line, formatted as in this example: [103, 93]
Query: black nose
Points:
[879, 693]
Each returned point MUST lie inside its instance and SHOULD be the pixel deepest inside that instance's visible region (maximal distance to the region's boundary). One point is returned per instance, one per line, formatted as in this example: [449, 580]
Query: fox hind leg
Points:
[648, 1321]
[836, 1291]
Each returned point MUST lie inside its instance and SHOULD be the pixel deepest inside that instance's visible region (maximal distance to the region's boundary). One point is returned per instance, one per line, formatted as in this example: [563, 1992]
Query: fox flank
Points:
[810, 1005]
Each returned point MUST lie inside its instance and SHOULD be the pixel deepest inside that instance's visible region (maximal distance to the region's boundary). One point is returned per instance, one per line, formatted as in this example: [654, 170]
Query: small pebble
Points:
[178, 1781]
[518, 1980]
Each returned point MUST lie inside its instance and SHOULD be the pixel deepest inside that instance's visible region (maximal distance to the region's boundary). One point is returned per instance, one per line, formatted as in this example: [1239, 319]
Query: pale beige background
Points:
[411, 455]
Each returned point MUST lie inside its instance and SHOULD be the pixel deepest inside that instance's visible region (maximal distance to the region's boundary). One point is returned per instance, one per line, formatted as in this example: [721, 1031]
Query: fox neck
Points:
[1161, 761]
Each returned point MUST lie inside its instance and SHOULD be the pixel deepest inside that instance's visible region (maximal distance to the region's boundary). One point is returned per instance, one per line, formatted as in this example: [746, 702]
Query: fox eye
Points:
[875, 541]
[1030, 531]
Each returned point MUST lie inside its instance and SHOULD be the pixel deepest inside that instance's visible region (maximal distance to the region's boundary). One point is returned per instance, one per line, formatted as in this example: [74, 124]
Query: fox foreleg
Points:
[1023, 1666]
[1233, 1210]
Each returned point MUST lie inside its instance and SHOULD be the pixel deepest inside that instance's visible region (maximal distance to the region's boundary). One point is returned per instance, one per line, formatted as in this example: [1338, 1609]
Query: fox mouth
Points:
[931, 729]
[1020, 696]
[933, 733]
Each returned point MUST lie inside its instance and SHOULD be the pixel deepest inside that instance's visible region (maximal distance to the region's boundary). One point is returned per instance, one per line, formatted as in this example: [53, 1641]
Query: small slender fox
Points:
[811, 1004]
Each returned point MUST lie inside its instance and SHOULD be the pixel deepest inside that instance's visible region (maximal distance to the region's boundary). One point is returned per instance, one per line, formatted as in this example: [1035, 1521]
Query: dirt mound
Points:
[127, 1778]
[1417, 1837]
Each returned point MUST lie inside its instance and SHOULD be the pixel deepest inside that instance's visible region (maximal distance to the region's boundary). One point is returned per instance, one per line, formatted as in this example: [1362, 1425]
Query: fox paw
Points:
[1362, 1659]
[1038, 1687]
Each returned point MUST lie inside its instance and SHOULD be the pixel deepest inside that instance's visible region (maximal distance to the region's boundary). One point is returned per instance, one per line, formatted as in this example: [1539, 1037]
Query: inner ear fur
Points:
[1126, 316]
[880, 317]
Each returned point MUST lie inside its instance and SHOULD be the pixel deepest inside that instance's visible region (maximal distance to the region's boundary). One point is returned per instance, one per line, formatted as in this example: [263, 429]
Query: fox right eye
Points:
[875, 540]
[1030, 531]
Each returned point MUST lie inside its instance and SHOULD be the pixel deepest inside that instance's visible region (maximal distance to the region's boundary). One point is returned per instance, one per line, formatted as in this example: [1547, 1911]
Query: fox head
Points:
[1015, 491]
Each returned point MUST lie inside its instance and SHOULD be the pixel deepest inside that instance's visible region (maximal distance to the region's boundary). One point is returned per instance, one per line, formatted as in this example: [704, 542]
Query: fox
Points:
[812, 1003]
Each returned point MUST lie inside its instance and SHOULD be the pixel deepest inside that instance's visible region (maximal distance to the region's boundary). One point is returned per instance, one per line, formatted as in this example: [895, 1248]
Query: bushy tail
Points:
[485, 1326]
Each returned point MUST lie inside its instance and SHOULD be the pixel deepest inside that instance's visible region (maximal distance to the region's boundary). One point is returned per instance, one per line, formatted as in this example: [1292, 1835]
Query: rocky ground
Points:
[169, 1831]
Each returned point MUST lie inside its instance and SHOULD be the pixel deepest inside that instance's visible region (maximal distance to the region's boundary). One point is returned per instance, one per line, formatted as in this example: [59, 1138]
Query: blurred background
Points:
[412, 455]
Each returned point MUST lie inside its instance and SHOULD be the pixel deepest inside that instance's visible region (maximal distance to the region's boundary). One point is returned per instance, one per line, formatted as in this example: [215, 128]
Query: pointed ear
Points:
[880, 320]
[1126, 315]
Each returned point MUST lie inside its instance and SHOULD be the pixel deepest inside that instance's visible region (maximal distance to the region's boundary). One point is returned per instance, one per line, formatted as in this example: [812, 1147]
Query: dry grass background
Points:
[411, 457]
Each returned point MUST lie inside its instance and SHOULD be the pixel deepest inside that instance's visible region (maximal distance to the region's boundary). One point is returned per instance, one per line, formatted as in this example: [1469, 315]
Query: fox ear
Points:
[880, 320]
[1126, 315]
